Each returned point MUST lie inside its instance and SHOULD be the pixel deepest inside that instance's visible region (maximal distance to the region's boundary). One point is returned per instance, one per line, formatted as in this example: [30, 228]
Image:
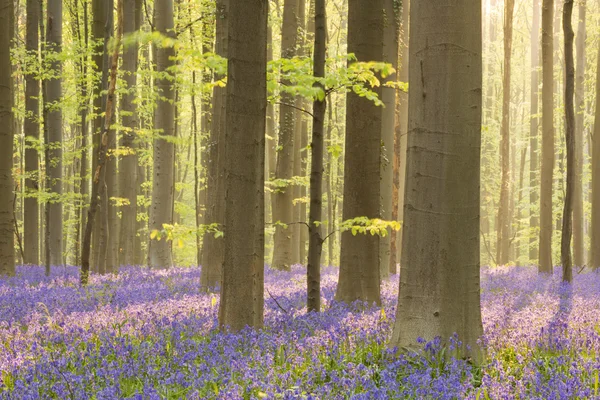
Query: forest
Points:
[299, 199]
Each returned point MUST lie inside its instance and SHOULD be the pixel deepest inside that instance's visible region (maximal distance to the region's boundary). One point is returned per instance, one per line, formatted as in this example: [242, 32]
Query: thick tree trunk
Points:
[212, 256]
[439, 279]
[595, 225]
[282, 198]
[578, 215]
[545, 257]
[504, 221]
[32, 135]
[161, 208]
[388, 125]
[315, 239]
[534, 128]
[54, 124]
[129, 161]
[242, 290]
[359, 263]
[567, 222]
[7, 233]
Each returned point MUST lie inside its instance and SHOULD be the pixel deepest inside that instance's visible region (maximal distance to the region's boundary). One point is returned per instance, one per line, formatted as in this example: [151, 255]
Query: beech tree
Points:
[439, 291]
[242, 298]
[7, 223]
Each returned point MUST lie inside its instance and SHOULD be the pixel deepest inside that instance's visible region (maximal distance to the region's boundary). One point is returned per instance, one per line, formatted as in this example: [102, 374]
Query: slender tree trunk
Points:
[54, 124]
[102, 153]
[315, 240]
[403, 121]
[359, 263]
[330, 200]
[271, 145]
[129, 160]
[504, 222]
[534, 127]
[212, 256]
[161, 208]
[578, 215]
[439, 280]
[7, 226]
[545, 244]
[242, 297]
[282, 198]
[32, 135]
[567, 226]
[388, 124]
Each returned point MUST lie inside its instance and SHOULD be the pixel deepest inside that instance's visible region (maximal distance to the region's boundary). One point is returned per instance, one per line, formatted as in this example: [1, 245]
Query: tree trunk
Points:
[595, 224]
[32, 136]
[7, 226]
[128, 145]
[567, 223]
[439, 280]
[504, 222]
[161, 208]
[243, 268]
[388, 125]
[578, 215]
[534, 127]
[315, 240]
[102, 153]
[282, 198]
[545, 244]
[212, 256]
[54, 124]
[359, 255]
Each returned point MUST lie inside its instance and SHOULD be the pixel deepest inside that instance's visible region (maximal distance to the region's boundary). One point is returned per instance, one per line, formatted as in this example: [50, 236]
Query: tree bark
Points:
[7, 226]
[504, 221]
[242, 291]
[534, 127]
[359, 255]
[578, 214]
[212, 256]
[282, 198]
[161, 208]
[129, 160]
[54, 126]
[102, 153]
[439, 291]
[595, 225]
[32, 135]
[546, 229]
[315, 239]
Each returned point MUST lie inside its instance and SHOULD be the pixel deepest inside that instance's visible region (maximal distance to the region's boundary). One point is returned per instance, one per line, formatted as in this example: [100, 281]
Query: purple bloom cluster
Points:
[147, 334]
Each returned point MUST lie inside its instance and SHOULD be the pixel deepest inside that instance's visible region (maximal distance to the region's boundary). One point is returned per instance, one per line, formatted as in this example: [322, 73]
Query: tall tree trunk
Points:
[567, 225]
[212, 256]
[242, 291]
[129, 160]
[282, 198]
[32, 136]
[545, 244]
[54, 124]
[534, 127]
[504, 222]
[388, 125]
[161, 208]
[595, 224]
[359, 263]
[578, 216]
[402, 137]
[315, 240]
[7, 226]
[271, 145]
[439, 280]
[102, 153]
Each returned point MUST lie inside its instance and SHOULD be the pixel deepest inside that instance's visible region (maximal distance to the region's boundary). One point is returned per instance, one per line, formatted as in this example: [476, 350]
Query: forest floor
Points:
[147, 334]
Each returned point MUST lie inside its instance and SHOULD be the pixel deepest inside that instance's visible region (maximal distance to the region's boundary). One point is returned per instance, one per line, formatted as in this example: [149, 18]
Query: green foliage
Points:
[364, 225]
